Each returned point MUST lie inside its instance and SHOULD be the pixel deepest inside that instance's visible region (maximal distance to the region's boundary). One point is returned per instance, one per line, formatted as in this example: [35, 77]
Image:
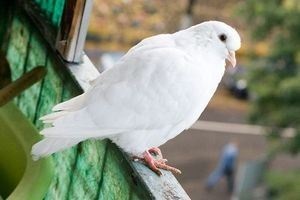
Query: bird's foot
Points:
[156, 164]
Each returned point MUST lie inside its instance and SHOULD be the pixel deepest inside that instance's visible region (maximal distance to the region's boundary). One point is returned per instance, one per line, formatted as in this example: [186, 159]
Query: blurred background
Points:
[257, 103]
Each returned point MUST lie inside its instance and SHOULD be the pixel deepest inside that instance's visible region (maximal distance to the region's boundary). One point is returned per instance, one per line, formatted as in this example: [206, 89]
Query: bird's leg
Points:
[156, 164]
[156, 151]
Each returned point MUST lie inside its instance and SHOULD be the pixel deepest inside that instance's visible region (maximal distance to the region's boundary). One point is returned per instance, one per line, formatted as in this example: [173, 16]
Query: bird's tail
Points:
[71, 124]
[50, 145]
[47, 146]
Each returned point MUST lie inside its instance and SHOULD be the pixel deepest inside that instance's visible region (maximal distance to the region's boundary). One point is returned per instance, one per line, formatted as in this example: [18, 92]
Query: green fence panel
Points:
[36, 56]
[18, 46]
[89, 170]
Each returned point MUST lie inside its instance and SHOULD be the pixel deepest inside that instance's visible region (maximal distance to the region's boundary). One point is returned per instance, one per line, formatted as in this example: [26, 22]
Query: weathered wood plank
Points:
[160, 187]
[36, 57]
[52, 10]
[5, 20]
[57, 12]
[134, 196]
[119, 181]
[51, 93]
[40, 20]
[89, 170]
[17, 46]
[115, 185]
[5, 71]
[64, 163]
[49, 6]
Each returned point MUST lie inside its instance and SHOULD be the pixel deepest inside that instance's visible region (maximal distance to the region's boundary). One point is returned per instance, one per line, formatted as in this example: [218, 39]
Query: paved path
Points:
[247, 129]
[196, 153]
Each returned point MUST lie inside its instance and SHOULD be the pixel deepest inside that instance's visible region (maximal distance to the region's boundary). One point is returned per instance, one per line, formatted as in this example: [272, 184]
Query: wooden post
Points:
[73, 29]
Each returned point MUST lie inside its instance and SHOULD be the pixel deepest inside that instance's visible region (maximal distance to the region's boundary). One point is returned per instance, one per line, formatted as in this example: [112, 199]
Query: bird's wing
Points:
[149, 89]
[157, 41]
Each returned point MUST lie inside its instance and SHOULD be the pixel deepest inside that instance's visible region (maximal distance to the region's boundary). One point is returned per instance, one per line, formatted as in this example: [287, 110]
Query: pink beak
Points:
[231, 58]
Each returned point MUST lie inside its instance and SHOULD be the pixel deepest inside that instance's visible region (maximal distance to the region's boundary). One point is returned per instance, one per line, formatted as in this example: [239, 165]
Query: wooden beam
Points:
[25, 81]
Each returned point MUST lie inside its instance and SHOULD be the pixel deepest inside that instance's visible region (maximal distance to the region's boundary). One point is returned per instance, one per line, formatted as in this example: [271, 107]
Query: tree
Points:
[275, 78]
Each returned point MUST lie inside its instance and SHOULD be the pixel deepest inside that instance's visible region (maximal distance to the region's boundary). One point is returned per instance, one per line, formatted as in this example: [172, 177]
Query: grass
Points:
[283, 185]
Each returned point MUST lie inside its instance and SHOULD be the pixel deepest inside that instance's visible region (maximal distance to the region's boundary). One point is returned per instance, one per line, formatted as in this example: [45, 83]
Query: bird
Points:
[158, 89]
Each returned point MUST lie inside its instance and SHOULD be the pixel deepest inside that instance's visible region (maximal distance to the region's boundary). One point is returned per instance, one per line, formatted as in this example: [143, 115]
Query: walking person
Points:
[225, 168]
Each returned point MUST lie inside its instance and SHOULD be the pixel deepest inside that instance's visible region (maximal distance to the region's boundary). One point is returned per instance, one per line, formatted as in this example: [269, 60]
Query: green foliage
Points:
[283, 185]
[275, 79]
[262, 16]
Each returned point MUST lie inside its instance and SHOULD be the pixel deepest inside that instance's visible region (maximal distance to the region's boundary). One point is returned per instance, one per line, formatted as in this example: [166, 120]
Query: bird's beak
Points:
[231, 58]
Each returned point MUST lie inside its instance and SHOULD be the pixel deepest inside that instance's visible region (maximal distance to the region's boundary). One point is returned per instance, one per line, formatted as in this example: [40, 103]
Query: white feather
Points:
[51, 145]
[70, 105]
[50, 118]
[78, 132]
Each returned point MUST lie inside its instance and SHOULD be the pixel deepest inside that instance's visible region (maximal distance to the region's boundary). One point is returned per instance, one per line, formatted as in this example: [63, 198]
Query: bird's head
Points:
[223, 38]
[218, 37]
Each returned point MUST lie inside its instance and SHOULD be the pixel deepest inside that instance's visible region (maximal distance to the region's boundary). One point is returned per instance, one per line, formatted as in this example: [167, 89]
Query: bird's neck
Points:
[193, 38]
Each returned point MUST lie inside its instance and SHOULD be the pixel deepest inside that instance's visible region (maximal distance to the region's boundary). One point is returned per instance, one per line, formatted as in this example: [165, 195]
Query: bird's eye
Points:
[223, 37]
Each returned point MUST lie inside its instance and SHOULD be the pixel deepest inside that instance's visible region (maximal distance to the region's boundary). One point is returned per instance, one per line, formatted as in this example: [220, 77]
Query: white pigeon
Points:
[156, 91]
